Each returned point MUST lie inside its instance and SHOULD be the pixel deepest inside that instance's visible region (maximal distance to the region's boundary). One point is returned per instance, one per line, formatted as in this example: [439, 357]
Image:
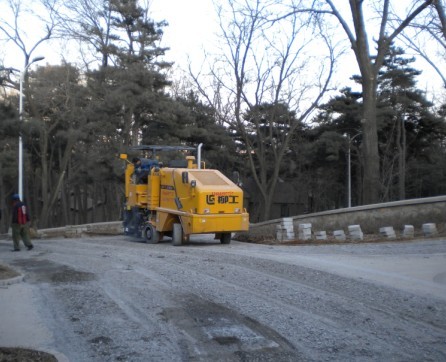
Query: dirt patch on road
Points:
[9, 354]
[45, 271]
[211, 330]
[7, 273]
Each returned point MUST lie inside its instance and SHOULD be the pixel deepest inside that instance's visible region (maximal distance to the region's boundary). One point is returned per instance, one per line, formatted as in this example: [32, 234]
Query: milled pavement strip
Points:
[365, 259]
[20, 325]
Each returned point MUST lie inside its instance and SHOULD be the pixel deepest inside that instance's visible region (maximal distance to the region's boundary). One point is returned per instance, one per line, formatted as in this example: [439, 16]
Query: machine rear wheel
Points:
[225, 238]
[177, 235]
[151, 235]
[133, 222]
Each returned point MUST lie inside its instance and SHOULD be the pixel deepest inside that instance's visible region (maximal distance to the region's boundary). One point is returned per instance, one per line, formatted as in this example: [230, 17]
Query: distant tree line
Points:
[262, 122]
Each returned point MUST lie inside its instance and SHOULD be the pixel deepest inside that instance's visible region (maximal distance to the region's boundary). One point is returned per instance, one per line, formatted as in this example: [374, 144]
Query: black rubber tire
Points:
[177, 235]
[151, 235]
[225, 238]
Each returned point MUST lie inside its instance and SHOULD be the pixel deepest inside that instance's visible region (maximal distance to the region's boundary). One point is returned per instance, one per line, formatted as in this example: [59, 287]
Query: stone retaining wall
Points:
[414, 212]
[371, 218]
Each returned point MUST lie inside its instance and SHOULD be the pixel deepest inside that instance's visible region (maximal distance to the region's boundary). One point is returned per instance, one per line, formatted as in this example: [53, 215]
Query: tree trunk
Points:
[84, 209]
[371, 184]
[402, 162]
[5, 216]
[65, 205]
[267, 204]
[43, 222]
[78, 205]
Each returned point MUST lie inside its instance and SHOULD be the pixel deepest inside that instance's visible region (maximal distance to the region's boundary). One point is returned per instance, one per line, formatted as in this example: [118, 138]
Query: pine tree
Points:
[405, 117]
[408, 129]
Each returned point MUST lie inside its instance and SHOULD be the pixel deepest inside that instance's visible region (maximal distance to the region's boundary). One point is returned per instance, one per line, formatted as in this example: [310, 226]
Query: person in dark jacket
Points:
[20, 224]
[142, 168]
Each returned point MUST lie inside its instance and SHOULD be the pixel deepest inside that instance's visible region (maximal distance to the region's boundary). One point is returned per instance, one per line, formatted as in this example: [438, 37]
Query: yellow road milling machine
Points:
[179, 197]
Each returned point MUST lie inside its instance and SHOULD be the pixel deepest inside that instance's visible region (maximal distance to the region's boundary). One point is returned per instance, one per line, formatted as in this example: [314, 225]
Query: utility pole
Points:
[22, 79]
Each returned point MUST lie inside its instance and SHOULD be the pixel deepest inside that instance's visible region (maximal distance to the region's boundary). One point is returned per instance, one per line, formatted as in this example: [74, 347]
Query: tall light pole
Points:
[22, 79]
[349, 167]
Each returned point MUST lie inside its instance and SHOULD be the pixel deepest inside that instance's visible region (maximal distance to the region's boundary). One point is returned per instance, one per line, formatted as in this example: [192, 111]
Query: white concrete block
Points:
[320, 235]
[304, 226]
[388, 232]
[429, 229]
[285, 231]
[304, 231]
[354, 228]
[288, 221]
[304, 235]
[339, 235]
[355, 232]
[408, 231]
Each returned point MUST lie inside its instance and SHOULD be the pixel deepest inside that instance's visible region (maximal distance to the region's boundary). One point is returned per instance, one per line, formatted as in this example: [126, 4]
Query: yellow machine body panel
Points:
[206, 201]
[153, 190]
[146, 195]
[202, 224]
[164, 220]
[137, 196]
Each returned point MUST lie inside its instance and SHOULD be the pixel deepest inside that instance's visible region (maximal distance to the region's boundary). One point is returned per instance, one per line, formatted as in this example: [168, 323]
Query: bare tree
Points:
[441, 12]
[359, 33]
[427, 37]
[265, 84]
[14, 32]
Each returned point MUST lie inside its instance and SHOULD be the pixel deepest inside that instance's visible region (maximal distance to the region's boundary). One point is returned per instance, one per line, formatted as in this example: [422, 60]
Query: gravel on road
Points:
[116, 299]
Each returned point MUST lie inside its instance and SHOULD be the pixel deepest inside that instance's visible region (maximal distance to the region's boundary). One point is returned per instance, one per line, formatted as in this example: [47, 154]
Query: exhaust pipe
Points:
[199, 155]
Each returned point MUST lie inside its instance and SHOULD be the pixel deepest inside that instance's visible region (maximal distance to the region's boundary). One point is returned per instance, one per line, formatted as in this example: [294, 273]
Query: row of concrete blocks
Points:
[285, 231]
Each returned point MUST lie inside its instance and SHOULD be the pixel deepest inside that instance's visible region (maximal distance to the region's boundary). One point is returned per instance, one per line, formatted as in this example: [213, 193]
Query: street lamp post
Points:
[349, 168]
[22, 78]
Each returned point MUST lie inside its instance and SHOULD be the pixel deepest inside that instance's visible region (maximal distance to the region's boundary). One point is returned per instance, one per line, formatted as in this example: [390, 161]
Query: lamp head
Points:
[37, 59]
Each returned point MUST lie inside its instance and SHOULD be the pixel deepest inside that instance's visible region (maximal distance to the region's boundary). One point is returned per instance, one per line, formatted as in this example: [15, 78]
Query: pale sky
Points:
[192, 25]
[192, 28]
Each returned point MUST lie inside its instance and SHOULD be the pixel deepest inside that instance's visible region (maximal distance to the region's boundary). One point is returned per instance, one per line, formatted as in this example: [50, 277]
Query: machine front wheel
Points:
[177, 235]
[225, 238]
[151, 235]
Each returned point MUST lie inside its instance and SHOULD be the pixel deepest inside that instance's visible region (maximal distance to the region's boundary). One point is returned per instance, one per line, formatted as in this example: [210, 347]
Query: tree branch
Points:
[408, 20]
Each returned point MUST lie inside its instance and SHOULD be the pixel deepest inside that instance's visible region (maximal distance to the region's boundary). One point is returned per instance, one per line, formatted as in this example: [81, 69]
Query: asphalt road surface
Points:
[115, 299]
